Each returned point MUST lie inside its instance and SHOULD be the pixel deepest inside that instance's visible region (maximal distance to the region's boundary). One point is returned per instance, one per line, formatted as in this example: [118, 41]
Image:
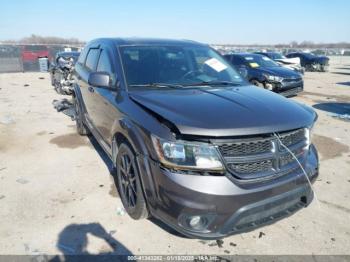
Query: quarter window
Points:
[82, 56]
[92, 58]
[104, 64]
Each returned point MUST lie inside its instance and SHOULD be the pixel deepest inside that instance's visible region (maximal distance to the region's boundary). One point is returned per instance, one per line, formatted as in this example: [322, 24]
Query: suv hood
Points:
[289, 61]
[235, 111]
[280, 71]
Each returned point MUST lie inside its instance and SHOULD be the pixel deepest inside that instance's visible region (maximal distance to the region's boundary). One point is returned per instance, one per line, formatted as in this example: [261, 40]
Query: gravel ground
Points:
[57, 195]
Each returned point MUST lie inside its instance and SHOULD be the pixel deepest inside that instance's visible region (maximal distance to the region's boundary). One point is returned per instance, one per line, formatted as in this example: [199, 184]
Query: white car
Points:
[291, 63]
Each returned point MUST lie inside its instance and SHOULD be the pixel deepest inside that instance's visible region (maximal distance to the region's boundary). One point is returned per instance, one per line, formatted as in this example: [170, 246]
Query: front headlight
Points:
[308, 136]
[278, 79]
[186, 155]
[273, 78]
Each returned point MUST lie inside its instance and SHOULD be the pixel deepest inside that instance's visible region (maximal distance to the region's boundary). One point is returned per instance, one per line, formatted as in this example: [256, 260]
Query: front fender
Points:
[136, 136]
[142, 145]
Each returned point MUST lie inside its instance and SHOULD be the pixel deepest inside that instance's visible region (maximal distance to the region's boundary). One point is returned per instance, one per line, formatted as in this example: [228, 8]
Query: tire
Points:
[129, 184]
[256, 83]
[79, 119]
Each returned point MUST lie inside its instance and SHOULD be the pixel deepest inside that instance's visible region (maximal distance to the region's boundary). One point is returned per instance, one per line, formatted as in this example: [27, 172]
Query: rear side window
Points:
[92, 57]
[104, 64]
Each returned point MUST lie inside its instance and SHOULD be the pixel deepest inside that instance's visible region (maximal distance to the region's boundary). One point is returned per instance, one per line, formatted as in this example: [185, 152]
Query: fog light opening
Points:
[197, 222]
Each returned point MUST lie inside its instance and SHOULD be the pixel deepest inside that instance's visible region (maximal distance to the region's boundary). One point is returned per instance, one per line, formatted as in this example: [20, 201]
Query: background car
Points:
[31, 54]
[61, 72]
[264, 72]
[290, 63]
[310, 61]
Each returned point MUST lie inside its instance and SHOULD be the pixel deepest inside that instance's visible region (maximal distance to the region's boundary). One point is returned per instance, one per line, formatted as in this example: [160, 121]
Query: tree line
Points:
[47, 40]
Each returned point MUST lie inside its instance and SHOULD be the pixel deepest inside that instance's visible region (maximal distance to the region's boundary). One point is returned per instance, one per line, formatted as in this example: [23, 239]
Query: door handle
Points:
[91, 89]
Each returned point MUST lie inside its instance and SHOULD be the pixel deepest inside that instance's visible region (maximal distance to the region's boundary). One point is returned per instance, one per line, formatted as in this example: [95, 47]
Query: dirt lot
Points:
[57, 195]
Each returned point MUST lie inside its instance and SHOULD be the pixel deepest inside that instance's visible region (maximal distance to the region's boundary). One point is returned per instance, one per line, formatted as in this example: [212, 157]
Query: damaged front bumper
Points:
[212, 207]
[287, 87]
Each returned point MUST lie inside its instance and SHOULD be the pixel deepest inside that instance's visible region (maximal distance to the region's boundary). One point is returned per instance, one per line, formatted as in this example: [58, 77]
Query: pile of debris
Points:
[65, 106]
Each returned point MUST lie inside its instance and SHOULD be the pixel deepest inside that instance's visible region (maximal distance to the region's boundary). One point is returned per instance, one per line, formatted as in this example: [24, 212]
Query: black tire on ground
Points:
[309, 68]
[79, 119]
[129, 184]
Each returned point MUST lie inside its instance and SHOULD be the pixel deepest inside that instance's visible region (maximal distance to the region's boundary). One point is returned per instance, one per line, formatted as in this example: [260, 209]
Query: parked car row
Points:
[192, 142]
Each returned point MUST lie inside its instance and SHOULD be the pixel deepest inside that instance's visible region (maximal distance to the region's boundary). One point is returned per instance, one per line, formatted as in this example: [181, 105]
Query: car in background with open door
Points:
[311, 62]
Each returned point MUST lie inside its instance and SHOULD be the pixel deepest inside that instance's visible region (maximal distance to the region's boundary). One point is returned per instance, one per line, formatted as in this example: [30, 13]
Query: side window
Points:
[104, 64]
[228, 58]
[237, 61]
[92, 58]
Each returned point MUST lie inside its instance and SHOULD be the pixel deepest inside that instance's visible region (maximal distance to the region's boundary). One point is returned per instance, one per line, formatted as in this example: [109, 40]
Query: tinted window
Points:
[92, 58]
[276, 56]
[104, 64]
[237, 61]
[255, 61]
[308, 55]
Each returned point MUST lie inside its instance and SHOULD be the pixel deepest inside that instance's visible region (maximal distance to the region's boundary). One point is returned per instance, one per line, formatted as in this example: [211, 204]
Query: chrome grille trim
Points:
[257, 157]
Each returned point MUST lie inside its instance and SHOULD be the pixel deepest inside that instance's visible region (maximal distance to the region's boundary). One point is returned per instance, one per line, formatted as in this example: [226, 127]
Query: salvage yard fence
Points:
[13, 59]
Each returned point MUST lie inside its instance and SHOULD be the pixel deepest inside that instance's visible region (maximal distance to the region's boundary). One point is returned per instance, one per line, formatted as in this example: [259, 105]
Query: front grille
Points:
[258, 157]
[293, 137]
[252, 167]
[292, 80]
[246, 148]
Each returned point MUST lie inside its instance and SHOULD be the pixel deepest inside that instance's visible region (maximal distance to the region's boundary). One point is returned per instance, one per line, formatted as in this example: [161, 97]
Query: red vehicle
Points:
[30, 55]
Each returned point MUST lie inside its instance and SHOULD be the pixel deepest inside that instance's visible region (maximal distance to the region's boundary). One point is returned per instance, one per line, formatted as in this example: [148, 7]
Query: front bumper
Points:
[227, 205]
[284, 88]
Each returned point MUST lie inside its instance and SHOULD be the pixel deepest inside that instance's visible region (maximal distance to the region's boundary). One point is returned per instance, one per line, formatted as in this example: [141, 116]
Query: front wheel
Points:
[256, 83]
[129, 184]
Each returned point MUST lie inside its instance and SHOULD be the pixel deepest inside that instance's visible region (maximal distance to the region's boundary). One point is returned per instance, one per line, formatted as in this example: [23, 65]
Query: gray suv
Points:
[193, 144]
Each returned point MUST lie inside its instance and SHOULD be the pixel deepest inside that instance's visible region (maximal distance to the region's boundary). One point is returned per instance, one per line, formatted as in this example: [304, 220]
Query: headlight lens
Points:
[273, 78]
[184, 155]
[308, 135]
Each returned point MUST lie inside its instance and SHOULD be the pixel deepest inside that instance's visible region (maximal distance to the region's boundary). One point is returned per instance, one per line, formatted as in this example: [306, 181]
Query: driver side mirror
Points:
[99, 79]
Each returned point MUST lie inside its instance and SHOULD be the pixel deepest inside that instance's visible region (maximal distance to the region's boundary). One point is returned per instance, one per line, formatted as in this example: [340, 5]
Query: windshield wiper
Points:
[214, 83]
[157, 85]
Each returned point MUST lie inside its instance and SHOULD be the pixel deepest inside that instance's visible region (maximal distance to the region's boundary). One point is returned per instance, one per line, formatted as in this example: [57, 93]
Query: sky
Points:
[221, 21]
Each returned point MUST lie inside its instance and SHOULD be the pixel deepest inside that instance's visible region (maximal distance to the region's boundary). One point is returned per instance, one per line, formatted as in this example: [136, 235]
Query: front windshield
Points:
[255, 61]
[176, 65]
[277, 56]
